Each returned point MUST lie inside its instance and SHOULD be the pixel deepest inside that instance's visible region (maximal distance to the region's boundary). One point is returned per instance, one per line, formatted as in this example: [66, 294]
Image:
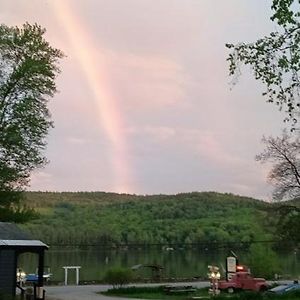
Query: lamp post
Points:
[214, 276]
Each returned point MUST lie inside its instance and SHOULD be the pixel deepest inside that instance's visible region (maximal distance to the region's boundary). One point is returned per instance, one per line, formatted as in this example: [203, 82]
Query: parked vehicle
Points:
[285, 288]
[243, 281]
[34, 277]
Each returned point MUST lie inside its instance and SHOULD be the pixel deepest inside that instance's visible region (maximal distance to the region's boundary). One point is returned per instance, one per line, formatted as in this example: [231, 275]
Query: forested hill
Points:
[98, 218]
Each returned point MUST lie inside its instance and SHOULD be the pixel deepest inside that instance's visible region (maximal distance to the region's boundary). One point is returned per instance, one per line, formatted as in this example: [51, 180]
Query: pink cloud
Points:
[146, 81]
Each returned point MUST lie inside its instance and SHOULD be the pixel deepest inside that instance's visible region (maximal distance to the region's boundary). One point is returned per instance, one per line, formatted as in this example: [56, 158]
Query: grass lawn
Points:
[153, 293]
[158, 293]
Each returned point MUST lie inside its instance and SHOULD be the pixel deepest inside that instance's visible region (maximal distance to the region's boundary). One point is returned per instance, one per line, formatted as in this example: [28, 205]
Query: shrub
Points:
[263, 261]
[118, 277]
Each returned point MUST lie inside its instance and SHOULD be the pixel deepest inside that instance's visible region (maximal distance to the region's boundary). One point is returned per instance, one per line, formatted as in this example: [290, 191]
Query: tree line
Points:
[190, 218]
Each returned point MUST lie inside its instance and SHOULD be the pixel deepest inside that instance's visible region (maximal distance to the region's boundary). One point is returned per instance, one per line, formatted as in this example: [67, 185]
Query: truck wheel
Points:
[230, 290]
[263, 288]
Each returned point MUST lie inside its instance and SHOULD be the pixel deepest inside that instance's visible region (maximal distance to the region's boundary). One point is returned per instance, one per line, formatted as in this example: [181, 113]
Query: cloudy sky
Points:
[145, 105]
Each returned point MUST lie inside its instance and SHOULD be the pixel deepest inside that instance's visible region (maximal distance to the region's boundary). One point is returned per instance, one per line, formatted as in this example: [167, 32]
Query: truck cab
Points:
[243, 281]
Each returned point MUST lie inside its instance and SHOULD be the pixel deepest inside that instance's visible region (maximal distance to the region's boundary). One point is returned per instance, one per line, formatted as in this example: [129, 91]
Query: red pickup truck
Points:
[243, 281]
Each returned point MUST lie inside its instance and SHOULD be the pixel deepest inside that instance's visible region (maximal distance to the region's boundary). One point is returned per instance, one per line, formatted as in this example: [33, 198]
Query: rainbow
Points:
[110, 118]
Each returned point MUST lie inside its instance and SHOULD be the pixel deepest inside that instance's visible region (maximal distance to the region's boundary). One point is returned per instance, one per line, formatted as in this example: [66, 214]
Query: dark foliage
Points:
[28, 67]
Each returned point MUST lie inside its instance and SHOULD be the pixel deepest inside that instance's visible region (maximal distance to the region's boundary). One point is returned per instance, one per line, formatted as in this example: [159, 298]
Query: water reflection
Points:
[95, 262]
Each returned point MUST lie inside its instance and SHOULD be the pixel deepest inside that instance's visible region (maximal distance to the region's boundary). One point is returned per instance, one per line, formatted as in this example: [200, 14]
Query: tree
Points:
[28, 68]
[263, 261]
[288, 224]
[284, 153]
[275, 59]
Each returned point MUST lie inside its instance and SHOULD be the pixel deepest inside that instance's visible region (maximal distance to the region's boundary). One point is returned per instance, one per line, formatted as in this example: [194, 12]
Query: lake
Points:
[184, 263]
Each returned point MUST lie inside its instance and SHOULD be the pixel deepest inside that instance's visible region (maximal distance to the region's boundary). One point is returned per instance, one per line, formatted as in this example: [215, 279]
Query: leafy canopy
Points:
[275, 59]
[28, 68]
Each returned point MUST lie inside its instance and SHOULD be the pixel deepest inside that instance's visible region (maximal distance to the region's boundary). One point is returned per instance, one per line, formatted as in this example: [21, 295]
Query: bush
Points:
[118, 277]
[263, 261]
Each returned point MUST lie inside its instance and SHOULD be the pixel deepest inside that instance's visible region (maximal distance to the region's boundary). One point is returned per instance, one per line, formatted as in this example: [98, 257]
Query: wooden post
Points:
[40, 283]
[34, 291]
[66, 276]
[77, 276]
[41, 269]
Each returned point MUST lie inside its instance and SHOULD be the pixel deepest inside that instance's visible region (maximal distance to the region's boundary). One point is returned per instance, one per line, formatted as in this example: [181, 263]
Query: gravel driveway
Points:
[89, 292]
[75, 292]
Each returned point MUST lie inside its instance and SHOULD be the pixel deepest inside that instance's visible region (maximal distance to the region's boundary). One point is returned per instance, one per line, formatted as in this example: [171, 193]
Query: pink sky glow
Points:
[145, 105]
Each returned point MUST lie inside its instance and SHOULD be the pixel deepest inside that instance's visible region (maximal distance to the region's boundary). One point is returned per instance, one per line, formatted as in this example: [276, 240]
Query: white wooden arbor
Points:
[67, 268]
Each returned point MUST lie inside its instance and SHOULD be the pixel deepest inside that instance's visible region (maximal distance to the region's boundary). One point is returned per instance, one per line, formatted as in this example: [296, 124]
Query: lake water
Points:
[186, 263]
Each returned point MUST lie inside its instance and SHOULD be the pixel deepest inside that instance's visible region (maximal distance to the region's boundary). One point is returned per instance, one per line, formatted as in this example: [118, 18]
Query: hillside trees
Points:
[28, 68]
[209, 219]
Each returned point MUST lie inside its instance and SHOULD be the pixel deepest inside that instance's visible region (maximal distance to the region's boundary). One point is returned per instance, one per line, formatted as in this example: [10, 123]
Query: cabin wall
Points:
[7, 272]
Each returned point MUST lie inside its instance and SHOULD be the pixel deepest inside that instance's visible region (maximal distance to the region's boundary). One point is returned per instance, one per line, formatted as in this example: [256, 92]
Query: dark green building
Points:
[13, 242]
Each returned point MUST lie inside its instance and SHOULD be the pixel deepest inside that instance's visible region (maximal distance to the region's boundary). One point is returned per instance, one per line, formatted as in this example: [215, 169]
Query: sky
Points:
[145, 104]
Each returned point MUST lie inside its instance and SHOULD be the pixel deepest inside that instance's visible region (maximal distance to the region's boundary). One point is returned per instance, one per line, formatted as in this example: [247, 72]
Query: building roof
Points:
[22, 243]
[12, 235]
[10, 231]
